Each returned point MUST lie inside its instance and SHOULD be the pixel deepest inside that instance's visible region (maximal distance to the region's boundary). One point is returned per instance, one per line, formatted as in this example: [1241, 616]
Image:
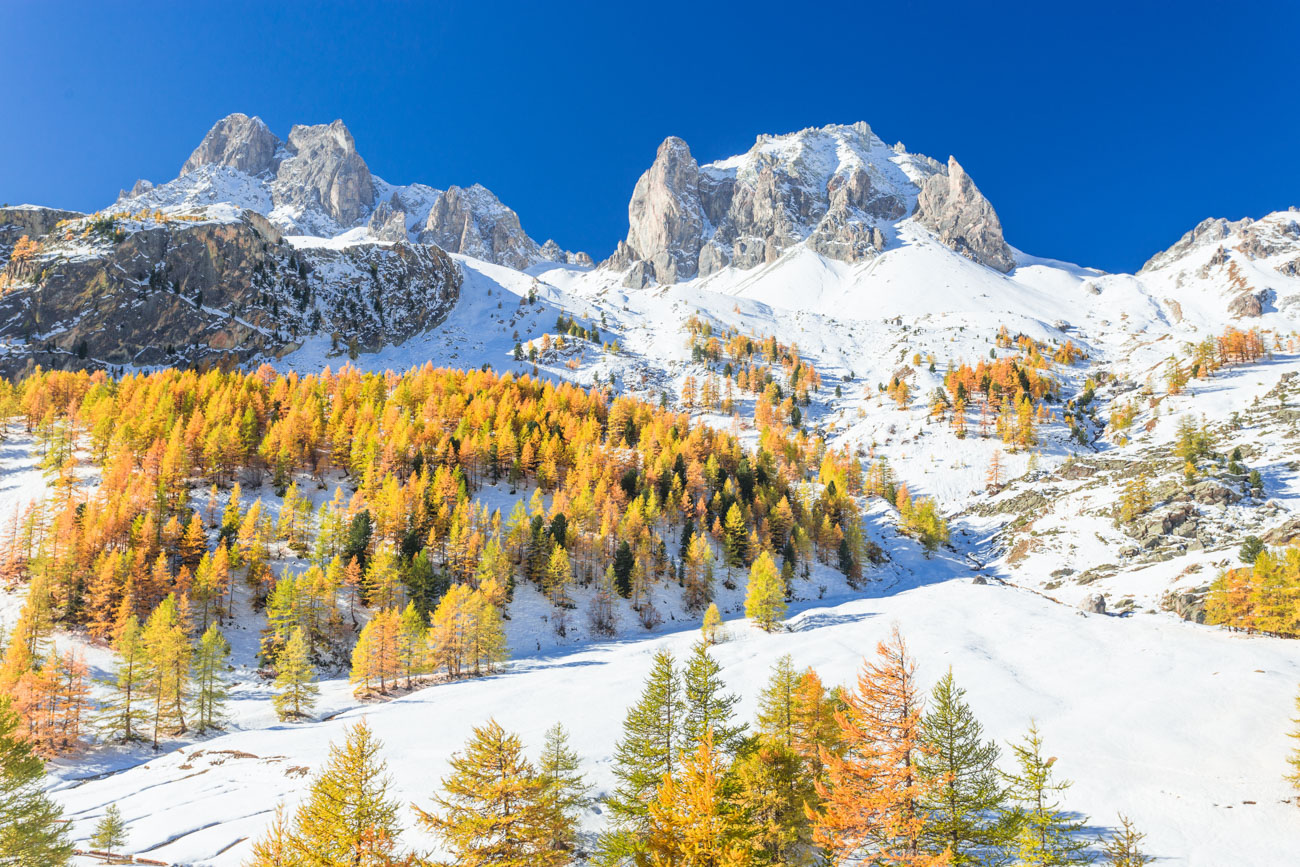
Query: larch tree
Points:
[712, 630]
[709, 707]
[31, 831]
[560, 771]
[167, 655]
[110, 831]
[348, 811]
[644, 755]
[967, 806]
[1124, 847]
[275, 848]
[1046, 835]
[774, 792]
[765, 595]
[495, 809]
[874, 794]
[124, 709]
[210, 689]
[776, 702]
[295, 679]
[691, 821]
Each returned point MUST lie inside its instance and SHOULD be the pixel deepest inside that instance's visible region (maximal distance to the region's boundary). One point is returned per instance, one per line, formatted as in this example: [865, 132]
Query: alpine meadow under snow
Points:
[310, 449]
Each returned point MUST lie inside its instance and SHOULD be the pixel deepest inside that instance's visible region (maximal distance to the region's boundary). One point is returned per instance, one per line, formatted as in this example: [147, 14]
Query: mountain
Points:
[840, 190]
[316, 184]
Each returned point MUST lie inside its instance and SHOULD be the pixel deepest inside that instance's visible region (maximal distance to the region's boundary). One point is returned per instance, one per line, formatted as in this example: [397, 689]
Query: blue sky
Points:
[1100, 131]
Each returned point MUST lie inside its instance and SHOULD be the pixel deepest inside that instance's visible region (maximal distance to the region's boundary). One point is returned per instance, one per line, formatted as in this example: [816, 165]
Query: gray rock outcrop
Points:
[189, 292]
[956, 211]
[388, 222]
[326, 172]
[238, 141]
[473, 222]
[665, 216]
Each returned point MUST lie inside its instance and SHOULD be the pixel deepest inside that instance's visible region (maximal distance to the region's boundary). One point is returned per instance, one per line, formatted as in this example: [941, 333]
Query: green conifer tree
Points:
[295, 686]
[1046, 836]
[211, 691]
[124, 709]
[708, 705]
[776, 704]
[560, 770]
[167, 667]
[650, 747]
[110, 831]
[31, 833]
[968, 805]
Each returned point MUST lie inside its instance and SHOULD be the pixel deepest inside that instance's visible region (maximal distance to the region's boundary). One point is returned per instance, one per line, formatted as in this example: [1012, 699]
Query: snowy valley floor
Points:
[1181, 727]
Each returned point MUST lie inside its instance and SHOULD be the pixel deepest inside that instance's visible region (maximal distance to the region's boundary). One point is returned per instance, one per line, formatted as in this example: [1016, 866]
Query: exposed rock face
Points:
[838, 189]
[665, 217]
[325, 171]
[30, 221]
[552, 252]
[474, 222]
[238, 141]
[388, 222]
[957, 212]
[189, 292]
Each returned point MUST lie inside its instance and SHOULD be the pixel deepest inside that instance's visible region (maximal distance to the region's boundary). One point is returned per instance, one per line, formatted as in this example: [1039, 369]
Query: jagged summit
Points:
[839, 189]
[316, 183]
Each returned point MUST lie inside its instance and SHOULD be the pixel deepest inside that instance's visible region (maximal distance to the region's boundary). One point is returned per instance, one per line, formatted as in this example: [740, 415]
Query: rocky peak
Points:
[832, 187]
[953, 208]
[324, 171]
[472, 221]
[238, 141]
[665, 217]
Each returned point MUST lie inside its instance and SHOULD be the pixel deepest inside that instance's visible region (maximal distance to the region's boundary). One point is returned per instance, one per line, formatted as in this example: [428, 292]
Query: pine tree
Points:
[295, 685]
[124, 710]
[1124, 848]
[967, 805]
[709, 707]
[559, 769]
[110, 832]
[691, 822]
[765, 595]
[874, 794]
[495, 809]
[31, 833]
[1046, 835]
[347, 808]
[648, 750]
[210, 688]
[712, 630]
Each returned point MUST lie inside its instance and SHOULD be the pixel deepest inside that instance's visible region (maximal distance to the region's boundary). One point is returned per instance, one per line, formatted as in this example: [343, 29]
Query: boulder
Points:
[1094, 604]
